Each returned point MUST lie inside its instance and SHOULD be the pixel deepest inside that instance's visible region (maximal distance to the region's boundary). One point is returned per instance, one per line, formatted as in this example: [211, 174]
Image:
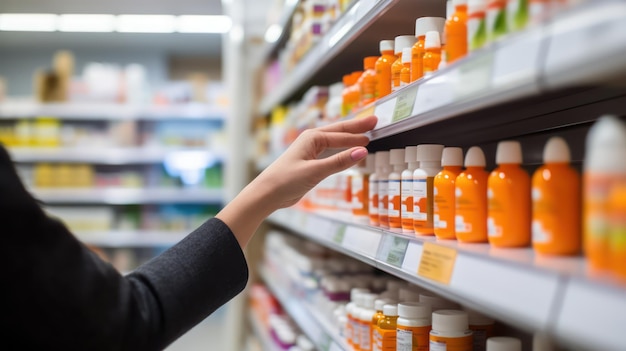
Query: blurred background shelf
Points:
[127, 196]
[131, 238]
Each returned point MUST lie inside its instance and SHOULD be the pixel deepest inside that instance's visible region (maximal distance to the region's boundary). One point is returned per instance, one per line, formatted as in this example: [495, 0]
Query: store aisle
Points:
[207, 335]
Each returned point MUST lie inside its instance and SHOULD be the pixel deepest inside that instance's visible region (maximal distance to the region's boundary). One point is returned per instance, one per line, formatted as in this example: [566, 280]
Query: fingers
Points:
[340, 161]
[339, 140]
[360, 125]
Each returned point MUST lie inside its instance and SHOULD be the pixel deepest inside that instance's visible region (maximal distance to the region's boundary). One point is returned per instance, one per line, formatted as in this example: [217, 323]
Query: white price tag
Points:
[362, 241]
[474, 76]
[516, 61]
[384, 112]
[434, 93]
[412, 257]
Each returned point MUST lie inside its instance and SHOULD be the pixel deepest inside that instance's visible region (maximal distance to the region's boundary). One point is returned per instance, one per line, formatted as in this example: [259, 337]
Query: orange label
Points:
[377, 339]
[437, 262]
[440, 343]
[423, 206]
[412, 338]
[366, 336]
[444, 205]
[386, 340]
[406, 211]
[393, 206]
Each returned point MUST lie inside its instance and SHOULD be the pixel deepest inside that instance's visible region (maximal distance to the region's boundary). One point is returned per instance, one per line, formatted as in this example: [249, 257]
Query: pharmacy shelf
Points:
[13, 109]
[310, 322]
[513, 285]
[541, 60]
[106, 156]
[131, 238]
[128, 196]
[283, 22]
[262, 333]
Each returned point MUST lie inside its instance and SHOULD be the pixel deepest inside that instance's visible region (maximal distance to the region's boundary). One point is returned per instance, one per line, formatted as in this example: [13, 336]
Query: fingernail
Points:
[358, 154]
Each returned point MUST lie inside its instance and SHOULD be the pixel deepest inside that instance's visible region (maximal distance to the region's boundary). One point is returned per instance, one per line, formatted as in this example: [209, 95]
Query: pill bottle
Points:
[394, 189]
[504, 343]
[410, 157]
[429, 157]
[481, 327]
[413, 331]
[444, 203]
[450, 331]
[471, 199]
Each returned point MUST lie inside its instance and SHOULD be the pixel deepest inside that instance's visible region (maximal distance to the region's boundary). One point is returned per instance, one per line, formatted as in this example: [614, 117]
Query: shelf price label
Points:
[474, 76]
[404, 104]
[437, 263]
[340, 234]
[366, 112]
[392, 250]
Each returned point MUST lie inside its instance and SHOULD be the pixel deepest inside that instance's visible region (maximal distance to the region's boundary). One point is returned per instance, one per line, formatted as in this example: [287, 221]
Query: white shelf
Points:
[316, 329]
[131, 238]
[110, 111]
[262, 333]
[101, 155]
[513, 285]
[129, 196]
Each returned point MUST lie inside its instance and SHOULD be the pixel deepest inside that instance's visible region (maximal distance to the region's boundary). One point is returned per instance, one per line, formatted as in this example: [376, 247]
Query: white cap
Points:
[556, 151]
[437, 303]
[509, 151]
[380, 303]
[369, 164]
[606, 146]
[386, 45]
[433, 40]
[406, 55]
[390, 310]
[410, 154]
[450, 321]
[382, 159]
[504, 343]
[368, 300]
[475, 157]
[335, 89]
[452, 156]
[354, 292]
[429, 152]
[414, 310]
[474, 6]
[396, 156]
[409, 295]
[426, 24]
[476, 318]
[403, 41]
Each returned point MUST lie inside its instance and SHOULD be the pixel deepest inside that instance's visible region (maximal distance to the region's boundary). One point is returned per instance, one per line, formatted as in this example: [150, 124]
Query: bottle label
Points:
[423, 206]
[394, 191]
[377, 339]
[413, 338]
[373, 198]
[480, 335]
[406, 208]
[440, 343]
[382, 197]
[460, 226]
[476, 31]
[357, 192]
[356, 333]
[387, 340]
[365, 337]
[349, 330]
[419, 200]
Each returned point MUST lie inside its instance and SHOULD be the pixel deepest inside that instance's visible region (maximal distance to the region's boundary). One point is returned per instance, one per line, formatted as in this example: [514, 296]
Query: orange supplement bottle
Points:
[405, 72]
[382, 174]
[410, 157]
[508, 198]
[400, 42]
[368, 81]
[556, 202]
[471, 199]
[360, 189]
[423, 25]
[345, 103]
[354, 91]
[378, 306]
[617, 230]
[604, 167]
[386, 329]
[450, 331]
[456, 32]
[394, 189]
[412, 333]
[429, 157]
[444, 203]
[383, 68]
[432, 57]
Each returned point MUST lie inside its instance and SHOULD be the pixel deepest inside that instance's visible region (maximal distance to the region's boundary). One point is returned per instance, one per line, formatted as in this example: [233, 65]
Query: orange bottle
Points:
[360, 189]
[444, 205]
[345, 107]
[368, 81]
[400, 42]
[383, 68]
[432, 57]
[386, 330]
[617, 229]
[471, 199]
[456, 32]
[355, 91]
[429, 158]
[508, 198]
[405, 72]
[394, 189]
[556, 202]
[422, 25]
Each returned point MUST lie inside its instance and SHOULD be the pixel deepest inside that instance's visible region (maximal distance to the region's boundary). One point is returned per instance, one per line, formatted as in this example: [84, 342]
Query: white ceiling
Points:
[170, 7]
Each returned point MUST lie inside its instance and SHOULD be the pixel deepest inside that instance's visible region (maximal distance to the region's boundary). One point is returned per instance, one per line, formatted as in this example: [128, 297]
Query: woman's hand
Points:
[296, 172]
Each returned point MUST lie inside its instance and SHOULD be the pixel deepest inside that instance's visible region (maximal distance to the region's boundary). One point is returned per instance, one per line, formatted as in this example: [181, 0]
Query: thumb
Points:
[342, 160]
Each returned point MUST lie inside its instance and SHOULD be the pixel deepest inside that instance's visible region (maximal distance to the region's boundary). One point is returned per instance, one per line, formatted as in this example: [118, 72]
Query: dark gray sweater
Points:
[58, 295]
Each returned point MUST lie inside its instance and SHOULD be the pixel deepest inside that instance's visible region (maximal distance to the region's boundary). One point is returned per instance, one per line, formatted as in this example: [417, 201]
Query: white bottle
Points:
[350, 312]
[450, 327]
[406, 211]
[429, 158]
[394, 189]
[360, 195]
[382, 174]
[365, 321]
[372, 194]
[413, 326]
[504, 343]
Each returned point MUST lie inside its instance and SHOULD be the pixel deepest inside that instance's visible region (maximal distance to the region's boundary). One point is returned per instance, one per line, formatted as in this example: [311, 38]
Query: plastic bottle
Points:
[450, 331]
[368, 81]
[386, 329]
[400, 42]
[360, 189]
[351, 309]
[496, 21]
[410, 157]
[354, 92]
[378, 306]
[482, 328]
[617, 230]
[383, 182]
[604, 167]
[405, 72]
[372, 207]
[422, 25]
[394, 189]
[356, 321]
[517, 14]
[456, 32]
[476, 24]
[444, 202]
[471, 199]
[413, 326]
[383, 68]
[504, 343]
[365, 321]
[432, 57]
[429, 157]
[556, 202]
[346, 106]
[508, 198]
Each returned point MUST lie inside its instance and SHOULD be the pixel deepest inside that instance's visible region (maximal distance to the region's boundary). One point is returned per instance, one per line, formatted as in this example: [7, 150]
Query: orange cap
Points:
[355, 76]
[369, 62]
[346, 79]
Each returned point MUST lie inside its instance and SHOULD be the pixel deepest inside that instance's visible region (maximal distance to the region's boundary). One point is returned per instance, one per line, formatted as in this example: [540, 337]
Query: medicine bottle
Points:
[386, 330]
[450, 331]
[351, 309]
[394, 189]
[471, 199]
[378, 306]
[410, 157]
[383, 182]
[405, 72]
[429, 157]
[444, 203]
[482, 328]
[383, 68]
[368, 81]
[360, 189]
[422, 26]
[365, 321]
[432, 56]
[476, 26]
[456, 32]
[414, 326]
[400, 42]
[372, 206]
[504, 343]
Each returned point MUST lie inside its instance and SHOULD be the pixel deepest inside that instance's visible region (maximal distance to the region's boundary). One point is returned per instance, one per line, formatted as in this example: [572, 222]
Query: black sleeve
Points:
[57, 294]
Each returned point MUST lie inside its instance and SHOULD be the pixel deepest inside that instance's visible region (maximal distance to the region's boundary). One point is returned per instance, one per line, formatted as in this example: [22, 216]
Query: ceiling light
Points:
[86, 23]
[146, 24]
[203, 24]
[29, 22]
[273, 32]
